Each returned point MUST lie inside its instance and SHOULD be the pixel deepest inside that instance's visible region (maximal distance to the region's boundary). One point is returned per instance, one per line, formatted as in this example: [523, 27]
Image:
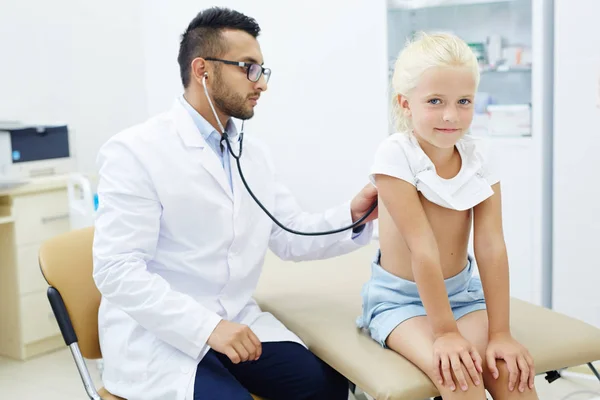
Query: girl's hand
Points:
[451, 351]
[519, 362]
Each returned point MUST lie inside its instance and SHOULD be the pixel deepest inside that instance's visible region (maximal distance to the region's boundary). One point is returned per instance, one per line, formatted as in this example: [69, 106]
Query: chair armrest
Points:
[62, 316]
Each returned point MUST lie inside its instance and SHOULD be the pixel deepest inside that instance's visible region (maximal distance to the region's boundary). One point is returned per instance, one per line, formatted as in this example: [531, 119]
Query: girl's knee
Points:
[499, 388]
[473, 391]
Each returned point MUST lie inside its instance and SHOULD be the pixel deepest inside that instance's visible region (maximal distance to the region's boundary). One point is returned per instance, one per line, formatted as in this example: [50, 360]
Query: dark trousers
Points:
[284, 371]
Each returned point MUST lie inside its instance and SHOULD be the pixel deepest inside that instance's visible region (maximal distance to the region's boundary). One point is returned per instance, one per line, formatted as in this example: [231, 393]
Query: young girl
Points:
[434, 183]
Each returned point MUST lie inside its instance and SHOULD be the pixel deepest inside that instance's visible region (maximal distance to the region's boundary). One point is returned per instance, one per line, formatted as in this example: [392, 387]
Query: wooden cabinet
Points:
[29, 214]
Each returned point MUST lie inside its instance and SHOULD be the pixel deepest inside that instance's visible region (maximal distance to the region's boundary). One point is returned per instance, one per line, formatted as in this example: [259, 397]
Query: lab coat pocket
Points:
[122, 362]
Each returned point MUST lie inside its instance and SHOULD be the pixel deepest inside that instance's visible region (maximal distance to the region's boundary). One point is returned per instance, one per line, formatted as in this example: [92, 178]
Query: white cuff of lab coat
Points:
[343, 216]
[364, 237]
[211, 320]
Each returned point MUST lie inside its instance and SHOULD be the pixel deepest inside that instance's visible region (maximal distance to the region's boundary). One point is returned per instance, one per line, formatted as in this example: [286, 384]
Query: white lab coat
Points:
[175, 252]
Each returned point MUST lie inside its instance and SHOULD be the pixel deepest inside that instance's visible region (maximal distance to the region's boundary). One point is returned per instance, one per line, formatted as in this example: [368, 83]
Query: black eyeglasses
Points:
[253, 70]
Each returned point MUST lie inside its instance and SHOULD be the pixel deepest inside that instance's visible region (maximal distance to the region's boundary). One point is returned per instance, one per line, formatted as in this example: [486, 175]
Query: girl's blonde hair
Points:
[427, 50]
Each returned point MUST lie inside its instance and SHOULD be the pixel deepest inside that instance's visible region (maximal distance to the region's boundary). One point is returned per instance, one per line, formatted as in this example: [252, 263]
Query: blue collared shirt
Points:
[213, 137]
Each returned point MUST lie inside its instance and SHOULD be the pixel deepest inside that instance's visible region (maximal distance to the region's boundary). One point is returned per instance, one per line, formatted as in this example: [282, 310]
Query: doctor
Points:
[179, 244]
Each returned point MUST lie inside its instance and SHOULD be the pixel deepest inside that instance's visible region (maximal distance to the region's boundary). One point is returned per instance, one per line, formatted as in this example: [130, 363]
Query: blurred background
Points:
[74, 73]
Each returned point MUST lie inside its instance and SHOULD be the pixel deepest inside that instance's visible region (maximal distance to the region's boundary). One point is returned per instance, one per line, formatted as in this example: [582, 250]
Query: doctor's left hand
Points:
[362, 202]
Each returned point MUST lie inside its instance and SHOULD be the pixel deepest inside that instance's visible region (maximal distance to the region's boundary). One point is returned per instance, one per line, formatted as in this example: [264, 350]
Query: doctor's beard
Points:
[231, 103]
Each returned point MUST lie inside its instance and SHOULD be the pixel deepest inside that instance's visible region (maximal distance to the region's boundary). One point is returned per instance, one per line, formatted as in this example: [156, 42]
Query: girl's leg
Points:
[474, 328]
[413, 339]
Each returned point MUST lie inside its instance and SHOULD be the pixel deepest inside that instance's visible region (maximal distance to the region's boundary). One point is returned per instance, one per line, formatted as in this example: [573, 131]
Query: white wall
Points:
[103, 67]
[73, 61]
[576, 279]
[326, 107]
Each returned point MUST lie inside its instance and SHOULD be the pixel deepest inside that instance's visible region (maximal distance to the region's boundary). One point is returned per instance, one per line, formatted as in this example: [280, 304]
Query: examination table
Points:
[320, 301]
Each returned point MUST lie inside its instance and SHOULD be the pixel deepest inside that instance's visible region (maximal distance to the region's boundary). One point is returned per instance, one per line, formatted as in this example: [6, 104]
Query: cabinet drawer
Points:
[37, 319]
[30, 277]
[40, 216]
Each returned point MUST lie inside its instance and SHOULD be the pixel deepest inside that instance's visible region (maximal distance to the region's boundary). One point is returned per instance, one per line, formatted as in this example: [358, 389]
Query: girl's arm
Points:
[490, 253]
[402, 202]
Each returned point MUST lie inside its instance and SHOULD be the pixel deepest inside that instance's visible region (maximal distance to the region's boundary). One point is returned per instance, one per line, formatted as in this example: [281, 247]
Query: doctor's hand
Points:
[362, 202]
[236, 341]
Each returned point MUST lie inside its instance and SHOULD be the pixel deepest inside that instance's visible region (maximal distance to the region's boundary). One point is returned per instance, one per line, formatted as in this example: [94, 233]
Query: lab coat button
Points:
[184, 369]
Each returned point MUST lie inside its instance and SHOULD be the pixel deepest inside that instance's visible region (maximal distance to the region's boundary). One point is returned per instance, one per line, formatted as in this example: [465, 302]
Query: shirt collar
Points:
[207, 131]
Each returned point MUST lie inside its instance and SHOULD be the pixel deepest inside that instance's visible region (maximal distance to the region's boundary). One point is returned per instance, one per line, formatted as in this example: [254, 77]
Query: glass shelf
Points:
[420, 4]
[502, 39]
[488, 70]
[505, 70]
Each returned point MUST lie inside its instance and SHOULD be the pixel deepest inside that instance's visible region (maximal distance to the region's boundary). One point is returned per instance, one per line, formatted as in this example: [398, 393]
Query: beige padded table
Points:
[320, 300]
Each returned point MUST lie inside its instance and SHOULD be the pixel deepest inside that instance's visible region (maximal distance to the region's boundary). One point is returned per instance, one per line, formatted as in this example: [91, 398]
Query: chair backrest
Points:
[67, 264]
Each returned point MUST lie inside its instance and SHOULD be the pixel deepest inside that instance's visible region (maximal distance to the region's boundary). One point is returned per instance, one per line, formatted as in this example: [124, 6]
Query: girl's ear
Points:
[404, 105]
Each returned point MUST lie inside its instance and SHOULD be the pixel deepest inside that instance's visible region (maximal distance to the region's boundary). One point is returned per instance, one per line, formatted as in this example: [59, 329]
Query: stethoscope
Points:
[237, 161]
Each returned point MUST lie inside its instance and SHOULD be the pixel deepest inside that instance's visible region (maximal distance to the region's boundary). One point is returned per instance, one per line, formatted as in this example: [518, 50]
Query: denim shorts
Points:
[389, 300]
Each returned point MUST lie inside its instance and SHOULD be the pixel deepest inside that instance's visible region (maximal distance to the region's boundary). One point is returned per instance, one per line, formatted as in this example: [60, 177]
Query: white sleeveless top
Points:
[401, 156]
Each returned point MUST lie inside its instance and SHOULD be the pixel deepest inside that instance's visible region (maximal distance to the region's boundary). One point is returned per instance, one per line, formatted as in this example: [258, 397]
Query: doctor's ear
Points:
[198, 67]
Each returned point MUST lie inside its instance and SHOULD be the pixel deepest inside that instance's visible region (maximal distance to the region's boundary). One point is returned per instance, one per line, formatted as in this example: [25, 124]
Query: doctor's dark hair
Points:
[203, 38]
